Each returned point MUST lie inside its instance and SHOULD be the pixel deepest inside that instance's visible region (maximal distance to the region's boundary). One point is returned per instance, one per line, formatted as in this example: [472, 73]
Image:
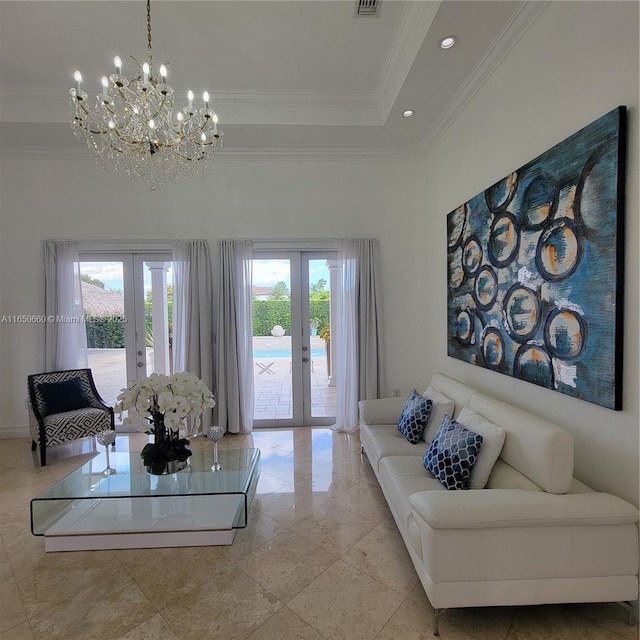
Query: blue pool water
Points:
[277, 353]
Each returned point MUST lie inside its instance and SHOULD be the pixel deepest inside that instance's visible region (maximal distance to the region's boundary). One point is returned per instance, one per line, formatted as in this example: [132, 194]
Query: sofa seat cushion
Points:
[402, 476]
[394, 444]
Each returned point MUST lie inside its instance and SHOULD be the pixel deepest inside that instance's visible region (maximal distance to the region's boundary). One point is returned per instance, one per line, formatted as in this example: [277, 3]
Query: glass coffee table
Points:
[128, 508]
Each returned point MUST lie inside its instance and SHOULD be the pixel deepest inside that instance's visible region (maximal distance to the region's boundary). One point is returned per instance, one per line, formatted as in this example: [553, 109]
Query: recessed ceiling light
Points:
[408, 113]
[447, 42]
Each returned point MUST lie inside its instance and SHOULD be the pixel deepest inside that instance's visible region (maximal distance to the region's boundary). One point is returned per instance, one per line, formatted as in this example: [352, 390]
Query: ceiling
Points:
[290, 78]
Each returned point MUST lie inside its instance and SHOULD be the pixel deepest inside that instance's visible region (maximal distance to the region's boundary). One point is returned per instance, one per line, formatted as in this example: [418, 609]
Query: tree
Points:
[94, 281]
[279, 291]
[317, 290]
[318, 287]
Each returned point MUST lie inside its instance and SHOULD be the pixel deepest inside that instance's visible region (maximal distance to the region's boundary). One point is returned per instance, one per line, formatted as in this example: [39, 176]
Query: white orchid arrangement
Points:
[167, 398]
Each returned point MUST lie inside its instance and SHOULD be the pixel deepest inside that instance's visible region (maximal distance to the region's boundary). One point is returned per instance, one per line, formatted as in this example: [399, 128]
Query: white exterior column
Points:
[333, 289]
[160, 316]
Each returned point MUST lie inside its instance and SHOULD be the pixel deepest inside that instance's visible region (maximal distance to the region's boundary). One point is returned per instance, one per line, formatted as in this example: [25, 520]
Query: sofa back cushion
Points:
[538, 449]
[441, 406]
[458, 391]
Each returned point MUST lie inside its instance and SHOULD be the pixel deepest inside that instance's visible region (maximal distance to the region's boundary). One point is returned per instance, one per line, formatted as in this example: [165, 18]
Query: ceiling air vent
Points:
[367, 7]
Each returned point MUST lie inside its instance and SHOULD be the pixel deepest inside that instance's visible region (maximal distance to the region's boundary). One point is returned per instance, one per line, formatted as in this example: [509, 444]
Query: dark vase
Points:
[168, 453]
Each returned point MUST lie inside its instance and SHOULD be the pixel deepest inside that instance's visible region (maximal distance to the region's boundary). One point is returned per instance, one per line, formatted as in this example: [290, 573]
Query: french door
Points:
[293, 382]
[127, 299]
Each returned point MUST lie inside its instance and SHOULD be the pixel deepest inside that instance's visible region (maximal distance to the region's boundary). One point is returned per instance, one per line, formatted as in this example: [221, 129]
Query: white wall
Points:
[576, 63]
[70, 199]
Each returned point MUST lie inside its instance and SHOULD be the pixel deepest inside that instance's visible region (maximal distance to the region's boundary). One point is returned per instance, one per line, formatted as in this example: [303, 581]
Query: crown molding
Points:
[31, 104]
[520, 22]
[84, 154]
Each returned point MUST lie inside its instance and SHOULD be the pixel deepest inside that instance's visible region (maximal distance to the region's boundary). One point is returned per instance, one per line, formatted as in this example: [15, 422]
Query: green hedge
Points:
[104, 333]
[268, 313]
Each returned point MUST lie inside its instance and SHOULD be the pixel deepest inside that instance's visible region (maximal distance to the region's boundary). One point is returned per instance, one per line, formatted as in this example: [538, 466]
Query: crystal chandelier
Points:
[133, 125]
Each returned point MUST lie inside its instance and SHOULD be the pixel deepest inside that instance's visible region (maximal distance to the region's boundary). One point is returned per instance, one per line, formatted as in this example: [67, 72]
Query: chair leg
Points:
[33, 445]
[43, 454]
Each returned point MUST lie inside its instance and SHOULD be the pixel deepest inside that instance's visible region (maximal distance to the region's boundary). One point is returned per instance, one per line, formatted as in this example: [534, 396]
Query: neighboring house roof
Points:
[262, 291]
[99, 302]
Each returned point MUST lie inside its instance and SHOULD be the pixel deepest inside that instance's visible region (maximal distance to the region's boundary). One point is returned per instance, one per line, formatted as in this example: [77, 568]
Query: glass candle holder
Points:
[215, 434]
[107, 438]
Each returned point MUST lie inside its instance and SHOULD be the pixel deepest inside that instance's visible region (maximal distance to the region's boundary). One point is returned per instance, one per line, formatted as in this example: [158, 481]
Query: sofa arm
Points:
[381, 411]
[499, 508]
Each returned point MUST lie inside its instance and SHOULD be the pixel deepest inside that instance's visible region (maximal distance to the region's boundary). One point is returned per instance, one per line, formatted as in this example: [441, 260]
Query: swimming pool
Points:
[284, 353]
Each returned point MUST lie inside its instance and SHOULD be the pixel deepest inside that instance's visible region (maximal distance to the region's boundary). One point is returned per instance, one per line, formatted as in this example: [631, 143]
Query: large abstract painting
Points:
[535, 268]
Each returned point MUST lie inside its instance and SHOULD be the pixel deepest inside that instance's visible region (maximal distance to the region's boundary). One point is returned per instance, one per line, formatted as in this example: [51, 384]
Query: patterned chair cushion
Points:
[71, 425]
[414, 417]
[452, 454]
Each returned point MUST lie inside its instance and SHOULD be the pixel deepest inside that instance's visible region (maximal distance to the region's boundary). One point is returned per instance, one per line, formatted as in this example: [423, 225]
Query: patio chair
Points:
[65, 406]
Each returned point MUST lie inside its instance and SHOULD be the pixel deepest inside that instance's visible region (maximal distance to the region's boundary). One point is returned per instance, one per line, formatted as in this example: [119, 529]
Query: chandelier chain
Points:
[149, 31]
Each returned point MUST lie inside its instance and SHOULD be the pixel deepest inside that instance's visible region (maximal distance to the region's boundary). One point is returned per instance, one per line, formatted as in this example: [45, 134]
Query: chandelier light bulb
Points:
[145, 71]
[215, 124]
[105, 86]
[112, 124]
[163, 71]
[190, 98]
[205, 99]
[118, 65]
[152, 124]
[180, 116]
[77, 76]
[203, 137]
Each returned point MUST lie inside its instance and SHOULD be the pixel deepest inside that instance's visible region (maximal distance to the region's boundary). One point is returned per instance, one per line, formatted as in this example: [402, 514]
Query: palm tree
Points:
[279, 291]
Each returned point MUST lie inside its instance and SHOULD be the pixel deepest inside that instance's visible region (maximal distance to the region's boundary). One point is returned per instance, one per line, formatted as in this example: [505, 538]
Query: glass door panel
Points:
[272, 342]
[291, 320]
[321, 402]
[103, 287]
[127, 299]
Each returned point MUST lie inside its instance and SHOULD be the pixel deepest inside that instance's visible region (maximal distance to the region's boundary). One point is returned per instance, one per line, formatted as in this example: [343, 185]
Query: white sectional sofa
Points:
[533, 535]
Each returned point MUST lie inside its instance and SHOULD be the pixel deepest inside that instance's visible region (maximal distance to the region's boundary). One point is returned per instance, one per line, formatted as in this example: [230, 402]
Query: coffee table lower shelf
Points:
[134, 523]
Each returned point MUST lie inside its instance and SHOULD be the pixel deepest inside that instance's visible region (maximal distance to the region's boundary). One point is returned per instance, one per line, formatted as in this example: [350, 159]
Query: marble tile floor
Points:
[321, 559]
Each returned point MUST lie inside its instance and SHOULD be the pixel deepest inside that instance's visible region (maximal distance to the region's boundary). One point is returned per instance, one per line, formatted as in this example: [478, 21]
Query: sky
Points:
[265, 273]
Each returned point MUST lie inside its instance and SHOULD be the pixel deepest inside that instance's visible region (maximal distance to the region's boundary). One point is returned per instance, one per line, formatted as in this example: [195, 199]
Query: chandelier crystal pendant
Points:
[133, 124]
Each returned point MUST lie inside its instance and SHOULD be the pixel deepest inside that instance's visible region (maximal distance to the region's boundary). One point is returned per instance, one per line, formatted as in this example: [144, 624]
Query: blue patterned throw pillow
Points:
[452, 454]
[414, 417]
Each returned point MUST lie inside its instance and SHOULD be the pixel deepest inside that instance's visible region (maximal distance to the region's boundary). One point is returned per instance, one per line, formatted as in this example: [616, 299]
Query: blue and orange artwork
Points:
[535, 268]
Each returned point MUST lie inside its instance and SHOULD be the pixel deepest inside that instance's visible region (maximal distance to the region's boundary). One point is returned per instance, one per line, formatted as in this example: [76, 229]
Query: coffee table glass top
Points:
[238, 476]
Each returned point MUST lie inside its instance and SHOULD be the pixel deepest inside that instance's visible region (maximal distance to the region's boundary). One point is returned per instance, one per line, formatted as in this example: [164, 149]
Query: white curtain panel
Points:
[235, 336]
[358, 334]
[66, 336]
[193, 348]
